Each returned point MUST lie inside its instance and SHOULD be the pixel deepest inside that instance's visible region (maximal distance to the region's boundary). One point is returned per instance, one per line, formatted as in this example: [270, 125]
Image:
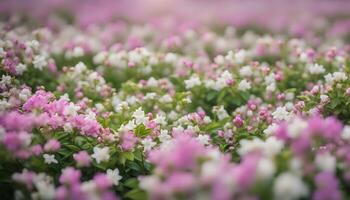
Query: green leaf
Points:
[128, 155]
[136, 194]
[122, 160]
[142, 131]
[131, 183]
[71, 147]
[211, 95]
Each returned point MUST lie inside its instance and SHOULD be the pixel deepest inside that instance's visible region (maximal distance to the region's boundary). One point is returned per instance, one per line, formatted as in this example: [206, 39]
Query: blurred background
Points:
[294, 16]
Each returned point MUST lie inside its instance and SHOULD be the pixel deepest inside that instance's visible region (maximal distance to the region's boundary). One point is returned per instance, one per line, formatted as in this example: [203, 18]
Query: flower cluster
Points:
[115, 107]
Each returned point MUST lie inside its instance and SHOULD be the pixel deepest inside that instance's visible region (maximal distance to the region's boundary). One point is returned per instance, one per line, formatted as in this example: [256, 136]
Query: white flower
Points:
[209, 170]
[114, 176]
[271, 87]
[100, 57]
[187, 100]
[288, 186]
[289, 106]
[67, 127]
[170, 58]
[289, 96]
[20, 68]
[326, 162]
[164, 136]
[316, 69]
[79, 68]
[148, 183]
[33, 44]
[146, 70]
[207, 120]
[90, 187]
[270, 79]
[178, 129]
[44, 186]
[172, 115]
[116, 60]
[153, 60]
[281, 113]
[241, 56]
[135, 56]
[296, 127]
[226, 75]
[329, 78]
[2, 132]
[296, 165]
[303, 57]
[120, 106]
[4, 105]
[101, 154]
[339, 76]
[150, 95]
[148, 144]
[246, 71]
[204, 139]
[152, 82]
[2, 52]
[336, 76]
[345, 134]
[93, 76]
[244, 85]
[247, 146]
[193, 81]
[221, 112]
[209, 84]
[229, 56]
[39, 62]
[131, 100]
[90, 115]
[50, 158]
[160, 119]
[272, 146]
[220, 60]
[166, 99]
[71, 109]
[265, 169]
[5, 80]
[218, 84]
[139, 116]
[324, 98]
[128, 127]
[78, 51]
[65, 97]
[99, 107]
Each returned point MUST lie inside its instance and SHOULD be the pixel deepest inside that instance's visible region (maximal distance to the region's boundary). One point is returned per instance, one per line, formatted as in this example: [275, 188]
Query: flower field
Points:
[165, 99]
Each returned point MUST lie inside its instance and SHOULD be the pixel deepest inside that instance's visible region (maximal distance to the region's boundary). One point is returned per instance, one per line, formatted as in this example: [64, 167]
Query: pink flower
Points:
[238, 121]
[18, 122]
[37, 149]
[180, 182]
[52, 145]
[182, 154]
[244, 173]
[128, 141]
[87, 126]
[348, 91]
[82, 158]
[56, 107]
[12, 141]
[70, 176]
[327, 187]
[38, 101]
[102, 181]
